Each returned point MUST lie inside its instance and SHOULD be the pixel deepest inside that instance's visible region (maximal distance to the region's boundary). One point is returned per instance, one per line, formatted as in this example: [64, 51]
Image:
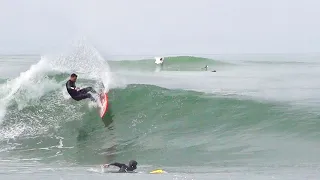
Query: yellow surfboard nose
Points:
[157, 171]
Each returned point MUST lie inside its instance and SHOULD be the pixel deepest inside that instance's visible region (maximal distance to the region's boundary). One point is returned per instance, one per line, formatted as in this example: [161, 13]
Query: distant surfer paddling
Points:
[77, 93]
[123, 167]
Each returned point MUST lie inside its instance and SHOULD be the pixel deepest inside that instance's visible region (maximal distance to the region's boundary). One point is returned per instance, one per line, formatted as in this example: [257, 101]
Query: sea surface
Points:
[256, 117]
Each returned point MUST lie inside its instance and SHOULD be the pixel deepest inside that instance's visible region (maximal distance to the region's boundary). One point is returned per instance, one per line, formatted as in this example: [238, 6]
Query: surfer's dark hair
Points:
[73, 75]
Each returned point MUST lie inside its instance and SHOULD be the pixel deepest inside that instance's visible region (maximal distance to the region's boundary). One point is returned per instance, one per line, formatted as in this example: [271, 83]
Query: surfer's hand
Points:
[77, 88]
[106, 165]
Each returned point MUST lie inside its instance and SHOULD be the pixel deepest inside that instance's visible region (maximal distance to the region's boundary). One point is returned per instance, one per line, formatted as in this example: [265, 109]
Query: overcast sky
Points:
[129, 27]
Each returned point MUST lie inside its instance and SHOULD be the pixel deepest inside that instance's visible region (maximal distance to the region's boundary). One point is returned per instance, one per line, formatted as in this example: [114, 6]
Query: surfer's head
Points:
[73, 77]
[133, 164]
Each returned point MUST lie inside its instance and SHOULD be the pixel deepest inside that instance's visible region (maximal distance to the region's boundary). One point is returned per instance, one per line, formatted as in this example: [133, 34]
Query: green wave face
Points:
[150, 123]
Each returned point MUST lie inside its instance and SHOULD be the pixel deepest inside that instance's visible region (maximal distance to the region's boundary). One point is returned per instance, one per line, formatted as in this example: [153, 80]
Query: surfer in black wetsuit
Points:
[77, 93]
[123, 167]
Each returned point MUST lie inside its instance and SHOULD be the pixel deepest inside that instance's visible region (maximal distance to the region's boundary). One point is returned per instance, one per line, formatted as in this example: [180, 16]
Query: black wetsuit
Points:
[124, 168]
[81, 94]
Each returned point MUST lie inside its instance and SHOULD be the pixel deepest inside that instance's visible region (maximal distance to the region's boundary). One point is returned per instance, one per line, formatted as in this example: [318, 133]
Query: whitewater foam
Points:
[29, 86]
[2, 112]
[12, 131]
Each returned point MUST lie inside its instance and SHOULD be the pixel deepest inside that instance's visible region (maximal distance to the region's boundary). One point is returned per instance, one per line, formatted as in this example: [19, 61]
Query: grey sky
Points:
[161, 27]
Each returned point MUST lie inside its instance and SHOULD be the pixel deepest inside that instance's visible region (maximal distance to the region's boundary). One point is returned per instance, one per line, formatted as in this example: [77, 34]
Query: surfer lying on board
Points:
[77, 93]
[124, 168]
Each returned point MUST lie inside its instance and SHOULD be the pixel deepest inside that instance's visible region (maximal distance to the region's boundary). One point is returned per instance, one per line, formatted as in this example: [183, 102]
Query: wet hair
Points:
[73, 75]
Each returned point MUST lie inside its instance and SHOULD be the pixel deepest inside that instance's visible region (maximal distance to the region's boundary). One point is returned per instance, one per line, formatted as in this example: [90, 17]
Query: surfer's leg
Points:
[86, 90]
[92, 90]
[88, 95]
[91, 97]
[84, 96]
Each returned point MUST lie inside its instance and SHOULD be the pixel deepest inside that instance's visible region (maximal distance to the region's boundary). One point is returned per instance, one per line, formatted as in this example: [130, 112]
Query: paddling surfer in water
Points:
[123, 167]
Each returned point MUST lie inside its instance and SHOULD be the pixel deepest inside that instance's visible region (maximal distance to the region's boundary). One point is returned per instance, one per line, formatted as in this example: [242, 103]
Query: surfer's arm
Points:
[69, 85]
[117, 164]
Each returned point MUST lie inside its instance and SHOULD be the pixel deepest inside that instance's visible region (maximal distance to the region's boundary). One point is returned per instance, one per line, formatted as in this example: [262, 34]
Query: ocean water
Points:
[256, 117]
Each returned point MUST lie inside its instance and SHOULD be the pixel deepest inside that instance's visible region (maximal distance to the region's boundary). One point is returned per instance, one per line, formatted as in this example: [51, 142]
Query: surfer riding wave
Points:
[77, 93]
